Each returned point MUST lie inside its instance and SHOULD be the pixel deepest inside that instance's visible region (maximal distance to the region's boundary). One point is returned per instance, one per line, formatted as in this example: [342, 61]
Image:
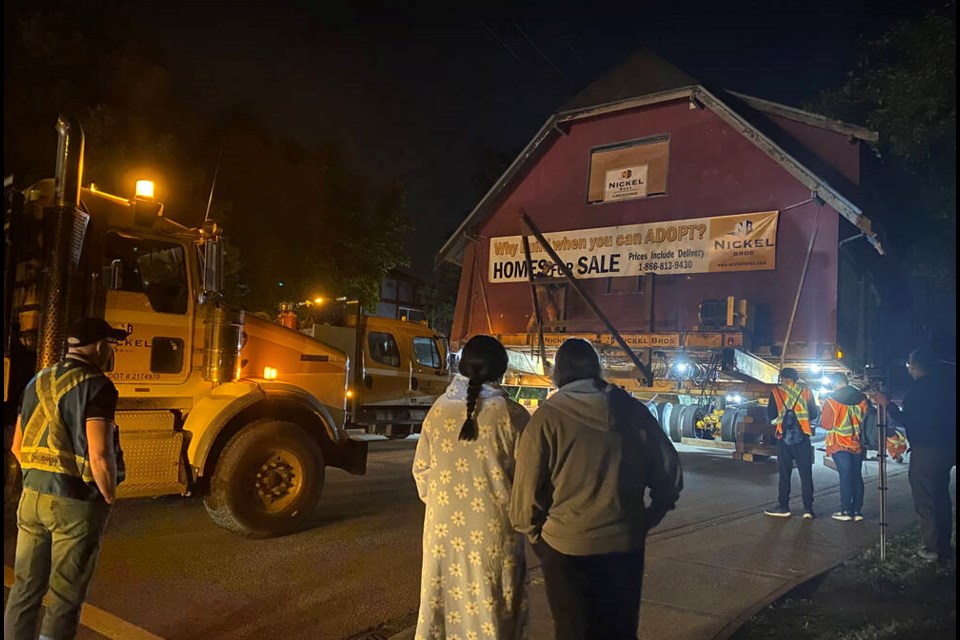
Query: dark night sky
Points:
[428, 97]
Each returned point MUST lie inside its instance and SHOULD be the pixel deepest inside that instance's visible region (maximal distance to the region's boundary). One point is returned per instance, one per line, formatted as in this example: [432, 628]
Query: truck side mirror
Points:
[212, 276]
[113, 275]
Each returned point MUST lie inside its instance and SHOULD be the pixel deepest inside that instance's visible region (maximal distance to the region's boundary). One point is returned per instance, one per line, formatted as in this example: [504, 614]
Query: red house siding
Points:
[713, 171]
[835, 149]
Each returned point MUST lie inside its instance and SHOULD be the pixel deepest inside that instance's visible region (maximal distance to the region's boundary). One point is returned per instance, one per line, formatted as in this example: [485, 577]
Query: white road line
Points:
[106, 624]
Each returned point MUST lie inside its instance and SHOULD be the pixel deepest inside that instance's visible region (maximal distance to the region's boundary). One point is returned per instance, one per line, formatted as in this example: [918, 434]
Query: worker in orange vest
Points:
[791, 408]
[843, 417]
[287, 317]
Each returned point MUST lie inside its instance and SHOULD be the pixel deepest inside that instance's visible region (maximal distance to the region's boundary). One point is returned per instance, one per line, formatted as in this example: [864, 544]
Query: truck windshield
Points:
[153, 267]
[425, 350]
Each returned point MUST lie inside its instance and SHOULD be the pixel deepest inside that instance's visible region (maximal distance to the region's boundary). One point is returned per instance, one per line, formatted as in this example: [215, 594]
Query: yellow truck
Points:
[213, 402]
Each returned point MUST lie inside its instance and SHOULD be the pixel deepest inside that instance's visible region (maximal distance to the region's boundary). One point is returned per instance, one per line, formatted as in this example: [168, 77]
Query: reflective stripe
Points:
[47, 445]
[792, 398]
[844, 433]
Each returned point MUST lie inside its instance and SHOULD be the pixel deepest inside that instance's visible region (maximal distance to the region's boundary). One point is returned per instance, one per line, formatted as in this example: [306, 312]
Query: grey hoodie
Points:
[584, 462]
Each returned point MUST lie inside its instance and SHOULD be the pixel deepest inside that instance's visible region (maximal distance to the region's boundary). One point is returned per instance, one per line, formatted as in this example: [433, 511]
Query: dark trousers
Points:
[58, 544]
[802, 454]
[593, 597]
[850, 469]
[930, 485]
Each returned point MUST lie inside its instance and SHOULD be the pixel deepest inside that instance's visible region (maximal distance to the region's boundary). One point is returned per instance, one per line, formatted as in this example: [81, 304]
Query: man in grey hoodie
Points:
[584, 464]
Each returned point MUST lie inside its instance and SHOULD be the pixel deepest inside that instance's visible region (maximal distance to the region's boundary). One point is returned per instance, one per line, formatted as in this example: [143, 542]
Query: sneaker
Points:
[843, 516]
[928, 555]
[858, 517]
[808, 514]
[778, 512]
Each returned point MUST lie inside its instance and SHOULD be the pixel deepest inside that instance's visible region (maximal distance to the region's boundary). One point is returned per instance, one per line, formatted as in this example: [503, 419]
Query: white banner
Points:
[625, 183]
[741, 242]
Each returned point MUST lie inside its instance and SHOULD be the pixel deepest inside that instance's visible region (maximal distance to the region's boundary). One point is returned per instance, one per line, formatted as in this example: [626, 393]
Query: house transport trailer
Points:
[213, 402]
[700, 239]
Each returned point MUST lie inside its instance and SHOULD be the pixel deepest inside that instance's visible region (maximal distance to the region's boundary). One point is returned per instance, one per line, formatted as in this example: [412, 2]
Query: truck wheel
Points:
[267, 481]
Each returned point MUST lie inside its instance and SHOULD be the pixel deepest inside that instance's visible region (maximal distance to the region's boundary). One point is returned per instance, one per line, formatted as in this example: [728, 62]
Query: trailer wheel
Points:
[728, 425]
[267, 481]
[664, 413]
[675, 416]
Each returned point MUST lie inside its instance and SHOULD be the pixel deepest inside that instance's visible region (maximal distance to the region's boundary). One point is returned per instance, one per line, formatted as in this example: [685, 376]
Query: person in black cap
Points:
[793, 409]
[932, 432]
[68, 448]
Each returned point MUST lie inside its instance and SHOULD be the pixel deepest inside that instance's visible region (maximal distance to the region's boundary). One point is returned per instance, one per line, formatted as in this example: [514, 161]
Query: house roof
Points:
[644, 79]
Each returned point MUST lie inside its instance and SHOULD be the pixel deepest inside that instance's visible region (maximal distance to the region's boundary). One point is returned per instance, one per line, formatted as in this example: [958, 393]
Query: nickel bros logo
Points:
[743, 242]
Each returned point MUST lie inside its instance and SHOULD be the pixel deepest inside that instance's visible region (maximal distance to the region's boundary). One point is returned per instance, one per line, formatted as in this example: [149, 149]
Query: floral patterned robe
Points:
[472, 583]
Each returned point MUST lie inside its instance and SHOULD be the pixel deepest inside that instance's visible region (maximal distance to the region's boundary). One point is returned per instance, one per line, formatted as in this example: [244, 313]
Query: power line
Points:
[542, 54]
[502, 43]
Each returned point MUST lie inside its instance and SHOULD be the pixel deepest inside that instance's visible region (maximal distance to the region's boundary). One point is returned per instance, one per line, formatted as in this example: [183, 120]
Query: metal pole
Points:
[536, 301]
[525, 221]
[882, 465]
[803, 276]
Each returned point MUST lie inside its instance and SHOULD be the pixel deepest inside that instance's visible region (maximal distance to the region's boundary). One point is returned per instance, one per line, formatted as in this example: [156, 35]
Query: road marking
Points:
[106, 624]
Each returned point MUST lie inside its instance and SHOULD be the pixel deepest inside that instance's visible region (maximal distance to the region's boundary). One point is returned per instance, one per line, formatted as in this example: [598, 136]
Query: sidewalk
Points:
[705, 578]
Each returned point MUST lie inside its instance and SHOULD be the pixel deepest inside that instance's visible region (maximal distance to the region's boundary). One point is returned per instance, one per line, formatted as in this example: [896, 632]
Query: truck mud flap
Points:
[353, 456]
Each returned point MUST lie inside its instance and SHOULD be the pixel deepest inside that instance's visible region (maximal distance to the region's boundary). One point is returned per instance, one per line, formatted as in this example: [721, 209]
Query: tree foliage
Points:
[439, 297]
[904, 86]
[304, 217]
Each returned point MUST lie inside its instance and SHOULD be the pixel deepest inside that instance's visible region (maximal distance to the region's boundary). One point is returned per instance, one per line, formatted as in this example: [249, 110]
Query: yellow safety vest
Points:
[47, 445]
[792, 398]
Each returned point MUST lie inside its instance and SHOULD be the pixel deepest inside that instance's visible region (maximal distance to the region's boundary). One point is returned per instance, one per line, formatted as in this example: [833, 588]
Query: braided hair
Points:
[483, 360]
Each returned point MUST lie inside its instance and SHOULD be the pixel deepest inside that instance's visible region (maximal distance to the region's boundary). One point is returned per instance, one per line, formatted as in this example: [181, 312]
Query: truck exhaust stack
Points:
[64, 248]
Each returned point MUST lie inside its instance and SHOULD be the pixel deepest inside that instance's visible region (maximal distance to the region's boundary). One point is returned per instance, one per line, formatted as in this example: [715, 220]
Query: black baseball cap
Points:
[90, 330]
[789, 373]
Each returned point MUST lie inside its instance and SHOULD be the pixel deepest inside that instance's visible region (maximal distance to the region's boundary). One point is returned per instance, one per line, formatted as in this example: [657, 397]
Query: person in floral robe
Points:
[472, 582]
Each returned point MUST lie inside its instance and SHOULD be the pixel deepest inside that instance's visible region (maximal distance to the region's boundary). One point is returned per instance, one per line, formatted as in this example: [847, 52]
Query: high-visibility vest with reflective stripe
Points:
[844, 433]
[47, 443]
[792, 398]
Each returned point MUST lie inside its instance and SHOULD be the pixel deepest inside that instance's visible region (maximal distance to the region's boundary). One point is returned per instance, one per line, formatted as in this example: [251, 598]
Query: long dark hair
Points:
[483, 359]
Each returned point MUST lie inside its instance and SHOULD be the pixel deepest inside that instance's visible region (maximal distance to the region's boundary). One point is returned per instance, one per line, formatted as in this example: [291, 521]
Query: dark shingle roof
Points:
[642, 73]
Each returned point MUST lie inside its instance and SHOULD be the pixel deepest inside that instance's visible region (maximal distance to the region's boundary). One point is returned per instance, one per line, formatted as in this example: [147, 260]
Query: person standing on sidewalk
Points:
[472, 582]
[932, 431]
[584, 463]
[843, 417]
[792, 408]
[68, 448]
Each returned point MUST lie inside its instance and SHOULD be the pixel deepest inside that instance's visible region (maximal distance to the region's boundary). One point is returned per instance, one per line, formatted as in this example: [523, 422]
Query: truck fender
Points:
[292, 394]
[210, 414]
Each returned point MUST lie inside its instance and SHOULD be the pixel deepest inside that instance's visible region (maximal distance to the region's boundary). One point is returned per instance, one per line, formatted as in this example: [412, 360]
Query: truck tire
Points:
[267, 481]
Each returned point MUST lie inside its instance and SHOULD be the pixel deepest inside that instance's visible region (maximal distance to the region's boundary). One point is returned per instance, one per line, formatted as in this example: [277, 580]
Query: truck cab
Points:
[213, 401]
[403, 367]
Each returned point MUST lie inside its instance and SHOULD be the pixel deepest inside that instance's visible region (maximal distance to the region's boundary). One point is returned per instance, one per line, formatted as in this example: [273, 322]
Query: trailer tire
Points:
[664, 413]
[728, 425]
[675, 417]
[268, 480]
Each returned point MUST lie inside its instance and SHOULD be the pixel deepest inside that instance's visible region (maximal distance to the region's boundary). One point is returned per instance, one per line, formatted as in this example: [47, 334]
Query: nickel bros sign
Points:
[742, 242]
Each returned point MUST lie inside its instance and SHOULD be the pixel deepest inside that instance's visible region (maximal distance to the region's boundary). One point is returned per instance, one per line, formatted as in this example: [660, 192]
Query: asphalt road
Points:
[166, 571]
[166, 568]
